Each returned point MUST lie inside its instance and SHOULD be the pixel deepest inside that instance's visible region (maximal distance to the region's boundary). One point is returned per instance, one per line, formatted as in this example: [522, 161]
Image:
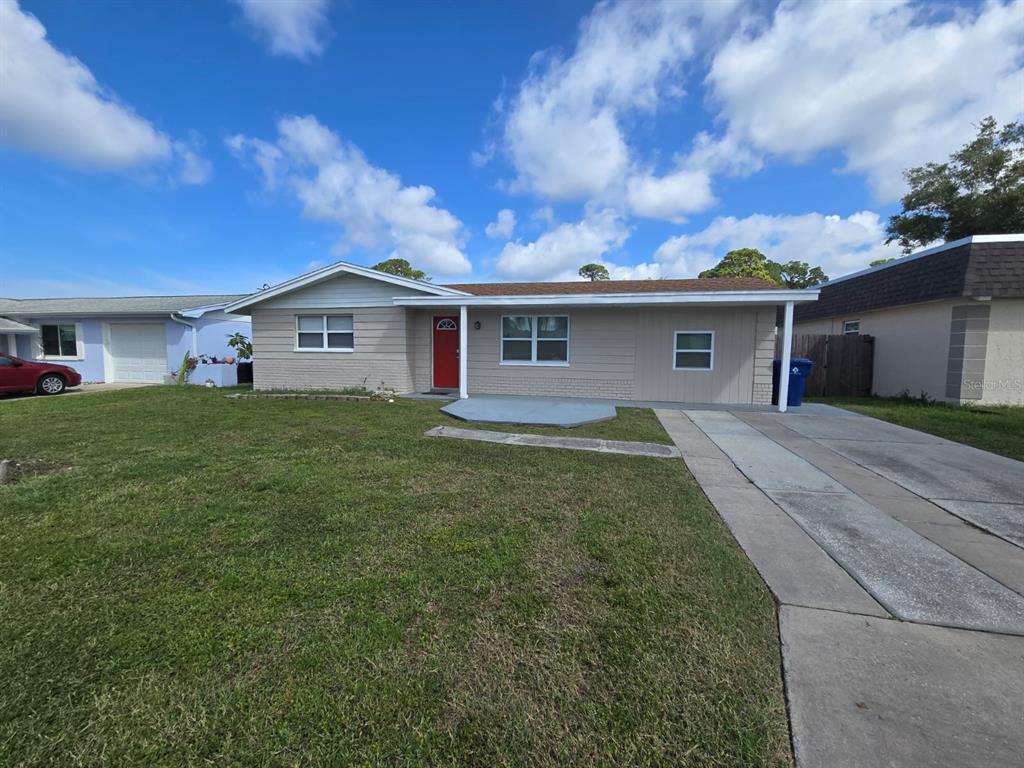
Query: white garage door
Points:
[138, 352]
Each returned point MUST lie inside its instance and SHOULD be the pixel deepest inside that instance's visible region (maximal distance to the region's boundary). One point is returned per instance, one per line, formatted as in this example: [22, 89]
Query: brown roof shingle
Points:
[616, 286]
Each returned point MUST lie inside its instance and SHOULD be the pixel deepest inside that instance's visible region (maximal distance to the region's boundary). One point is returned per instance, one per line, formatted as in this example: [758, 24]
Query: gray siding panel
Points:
[380, 358]
[343, 290]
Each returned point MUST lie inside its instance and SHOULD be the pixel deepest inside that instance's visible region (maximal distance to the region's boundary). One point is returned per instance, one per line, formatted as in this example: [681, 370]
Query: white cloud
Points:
[52, 105]
[668, 197]
[503, 225]
[297, 28]
[334, 182]
[558, 253]
[838, 245]
[564, 129]
[887, 83]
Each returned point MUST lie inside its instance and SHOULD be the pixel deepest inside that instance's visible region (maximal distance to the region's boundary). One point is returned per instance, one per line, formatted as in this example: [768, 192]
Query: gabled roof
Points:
[978, 266]
[120, 305]
[600, 287]
[338, 268]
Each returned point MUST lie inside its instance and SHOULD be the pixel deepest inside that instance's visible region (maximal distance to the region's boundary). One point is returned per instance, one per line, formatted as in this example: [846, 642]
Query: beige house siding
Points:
[1004, 361]
[618, 353]
[379, 359]
[341, 291]
[912, 347]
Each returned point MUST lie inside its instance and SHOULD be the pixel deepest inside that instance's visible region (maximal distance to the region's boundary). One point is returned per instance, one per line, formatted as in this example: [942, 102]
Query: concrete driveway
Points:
[81, 389]
[897, 561]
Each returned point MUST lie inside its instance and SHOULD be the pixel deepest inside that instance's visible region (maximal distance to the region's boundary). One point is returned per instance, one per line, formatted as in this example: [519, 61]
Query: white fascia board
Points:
[1013, 238]
[616, 299]
[330, 271]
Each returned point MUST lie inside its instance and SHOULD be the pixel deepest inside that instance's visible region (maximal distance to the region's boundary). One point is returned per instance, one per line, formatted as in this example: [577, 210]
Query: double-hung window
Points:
[851, 327]
[59, 340]
[535, 340]
[694, 351]
[324, 333]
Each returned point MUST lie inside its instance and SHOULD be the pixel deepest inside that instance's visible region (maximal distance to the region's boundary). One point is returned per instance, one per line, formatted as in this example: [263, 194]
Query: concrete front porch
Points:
[573, 411]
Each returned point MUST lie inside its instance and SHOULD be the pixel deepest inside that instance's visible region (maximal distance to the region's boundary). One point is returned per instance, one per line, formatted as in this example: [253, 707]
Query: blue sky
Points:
[172, 147]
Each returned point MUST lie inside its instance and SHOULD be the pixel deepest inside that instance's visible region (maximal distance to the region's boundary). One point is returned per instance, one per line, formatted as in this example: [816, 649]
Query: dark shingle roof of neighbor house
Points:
[616, 286]
[979, 266]
[111, 305]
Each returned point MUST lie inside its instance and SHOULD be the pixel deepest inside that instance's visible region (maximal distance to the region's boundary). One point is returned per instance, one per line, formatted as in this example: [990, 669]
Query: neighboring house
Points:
[133, 339]
[698, 341]
[948, 321]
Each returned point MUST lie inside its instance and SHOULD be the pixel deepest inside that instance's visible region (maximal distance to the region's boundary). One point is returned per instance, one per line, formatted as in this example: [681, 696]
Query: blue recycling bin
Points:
[799, 370]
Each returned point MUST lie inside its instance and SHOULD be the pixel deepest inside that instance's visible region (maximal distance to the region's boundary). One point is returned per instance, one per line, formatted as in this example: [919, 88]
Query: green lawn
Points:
[999, 429]
[203, 581]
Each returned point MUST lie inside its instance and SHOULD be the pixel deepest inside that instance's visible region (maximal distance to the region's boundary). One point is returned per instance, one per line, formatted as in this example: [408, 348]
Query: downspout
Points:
[195, 332]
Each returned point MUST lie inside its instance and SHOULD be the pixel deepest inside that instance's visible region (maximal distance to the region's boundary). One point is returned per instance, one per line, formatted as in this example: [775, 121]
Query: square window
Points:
[851, 327]
[326, 332]
[552, 350]
[516, 327]
[311, 340]
[59, 340]
[541, 339]
[693, 351]
[516, 350]
[339, 340]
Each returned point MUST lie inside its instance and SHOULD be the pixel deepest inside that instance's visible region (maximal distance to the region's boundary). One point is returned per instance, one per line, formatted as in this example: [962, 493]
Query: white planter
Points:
[220, 374]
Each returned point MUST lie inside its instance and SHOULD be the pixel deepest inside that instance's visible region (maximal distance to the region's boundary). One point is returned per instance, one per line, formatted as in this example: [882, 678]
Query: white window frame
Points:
[324, 332]
[675, 349]
[848, 332]
[79, 344]
[533, 361]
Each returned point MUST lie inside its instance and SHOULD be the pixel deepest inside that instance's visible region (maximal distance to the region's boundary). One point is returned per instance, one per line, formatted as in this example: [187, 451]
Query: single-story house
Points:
[131, 339]
[698, 341]
[948, 321]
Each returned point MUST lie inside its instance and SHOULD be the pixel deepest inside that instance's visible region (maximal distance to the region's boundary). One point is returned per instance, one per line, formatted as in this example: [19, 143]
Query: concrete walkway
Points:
[896, 559]
[81, 389]
[596, 445]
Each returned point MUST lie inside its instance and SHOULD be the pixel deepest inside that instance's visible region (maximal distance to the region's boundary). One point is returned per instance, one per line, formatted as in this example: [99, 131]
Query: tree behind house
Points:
[978, 191]
[401, 268]
[750, 262]
[594, 272]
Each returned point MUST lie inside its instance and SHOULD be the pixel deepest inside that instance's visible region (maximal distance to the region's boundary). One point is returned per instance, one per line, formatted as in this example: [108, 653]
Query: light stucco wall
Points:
[912, 345]
[1004, 359]
[213, 328]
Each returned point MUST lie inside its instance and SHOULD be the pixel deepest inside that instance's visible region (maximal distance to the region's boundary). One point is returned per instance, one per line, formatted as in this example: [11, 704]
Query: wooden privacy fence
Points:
[843, 364]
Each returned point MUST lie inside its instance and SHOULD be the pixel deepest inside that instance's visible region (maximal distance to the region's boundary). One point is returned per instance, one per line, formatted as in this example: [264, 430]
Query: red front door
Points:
[446, 352]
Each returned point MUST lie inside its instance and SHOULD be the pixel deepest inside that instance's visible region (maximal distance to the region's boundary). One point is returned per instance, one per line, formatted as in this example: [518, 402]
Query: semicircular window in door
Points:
[446, 324]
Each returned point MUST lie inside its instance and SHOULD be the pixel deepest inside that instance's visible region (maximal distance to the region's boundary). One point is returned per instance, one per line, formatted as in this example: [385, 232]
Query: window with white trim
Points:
[324, 333]
[851, 327]
[535, 339]
[59, 340]
[693, 351]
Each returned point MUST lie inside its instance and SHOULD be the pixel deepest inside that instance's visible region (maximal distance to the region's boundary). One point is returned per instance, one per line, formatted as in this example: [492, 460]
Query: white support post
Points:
[463, 350]
[12, 344]
[787, 346]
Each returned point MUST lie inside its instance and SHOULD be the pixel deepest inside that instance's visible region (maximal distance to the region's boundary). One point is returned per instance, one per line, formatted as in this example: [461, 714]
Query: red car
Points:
[17, 375]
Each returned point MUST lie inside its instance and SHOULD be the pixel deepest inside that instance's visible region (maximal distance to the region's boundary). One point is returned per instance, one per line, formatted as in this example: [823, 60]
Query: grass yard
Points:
[999, 429]
[199, 581]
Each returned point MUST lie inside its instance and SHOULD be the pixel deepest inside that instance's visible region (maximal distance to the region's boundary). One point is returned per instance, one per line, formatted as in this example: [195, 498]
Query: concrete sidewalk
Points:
[860, 527]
